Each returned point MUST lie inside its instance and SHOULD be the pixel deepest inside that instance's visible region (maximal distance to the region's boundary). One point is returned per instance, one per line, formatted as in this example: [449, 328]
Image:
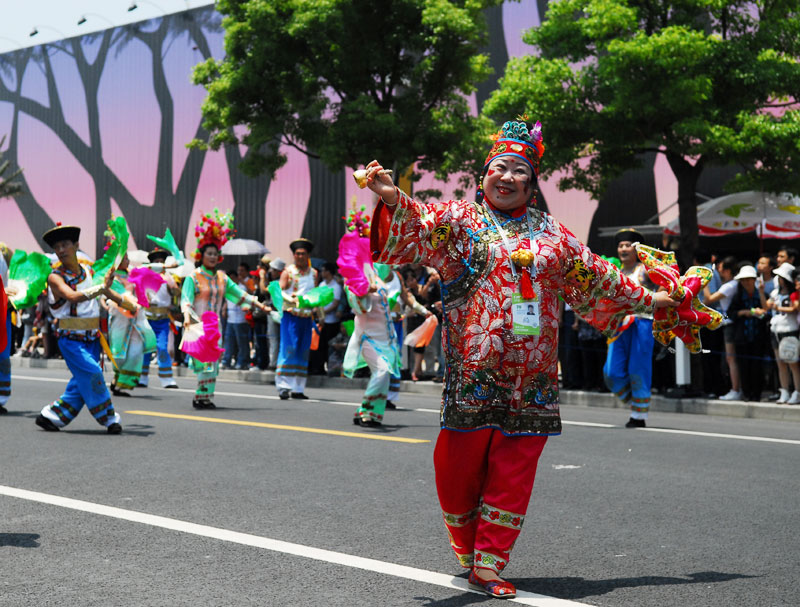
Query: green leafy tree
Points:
[700, 81]
[8, 187]
[345, 80]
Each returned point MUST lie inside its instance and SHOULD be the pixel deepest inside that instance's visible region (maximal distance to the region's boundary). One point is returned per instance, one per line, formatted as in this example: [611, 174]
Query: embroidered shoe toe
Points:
[499, 589]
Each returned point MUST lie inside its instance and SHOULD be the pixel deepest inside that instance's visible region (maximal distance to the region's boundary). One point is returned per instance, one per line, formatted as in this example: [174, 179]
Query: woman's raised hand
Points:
[379, 180]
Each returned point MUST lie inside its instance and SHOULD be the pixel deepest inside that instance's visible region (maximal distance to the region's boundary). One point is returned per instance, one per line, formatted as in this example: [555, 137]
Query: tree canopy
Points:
[701, 81]
[345, 80]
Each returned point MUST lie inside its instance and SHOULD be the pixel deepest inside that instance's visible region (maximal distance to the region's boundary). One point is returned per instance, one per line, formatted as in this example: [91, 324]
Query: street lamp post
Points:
[134, 5]
[85, 16]
[35, 31]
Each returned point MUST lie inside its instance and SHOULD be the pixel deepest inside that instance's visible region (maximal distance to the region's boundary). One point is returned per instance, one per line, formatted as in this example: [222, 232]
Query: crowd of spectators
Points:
[752, 357]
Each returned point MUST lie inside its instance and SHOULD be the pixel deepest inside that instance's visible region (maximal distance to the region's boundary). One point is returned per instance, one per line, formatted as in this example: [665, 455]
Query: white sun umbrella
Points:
[243, 246]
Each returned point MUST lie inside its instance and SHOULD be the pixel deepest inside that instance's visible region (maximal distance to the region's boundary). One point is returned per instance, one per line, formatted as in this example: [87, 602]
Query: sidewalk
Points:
[696, 406]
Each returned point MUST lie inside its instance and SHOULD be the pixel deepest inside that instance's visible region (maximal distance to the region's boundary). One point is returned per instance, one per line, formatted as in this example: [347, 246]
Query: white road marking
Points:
[588, 424]
[34, 378]
[246, 539]
[764, 439]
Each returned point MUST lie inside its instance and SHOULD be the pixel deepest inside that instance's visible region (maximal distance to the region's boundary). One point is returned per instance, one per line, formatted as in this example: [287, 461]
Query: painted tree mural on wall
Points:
[176, 187]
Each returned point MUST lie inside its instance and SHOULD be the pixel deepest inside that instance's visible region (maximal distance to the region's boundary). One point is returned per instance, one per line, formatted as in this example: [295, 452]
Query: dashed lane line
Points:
[246, 539]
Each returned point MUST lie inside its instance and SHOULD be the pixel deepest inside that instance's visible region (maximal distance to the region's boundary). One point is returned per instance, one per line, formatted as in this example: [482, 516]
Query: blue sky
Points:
[57, 19]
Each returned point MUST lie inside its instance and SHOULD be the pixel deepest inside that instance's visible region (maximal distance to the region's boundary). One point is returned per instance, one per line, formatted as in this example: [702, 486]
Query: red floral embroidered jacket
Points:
[494, 377]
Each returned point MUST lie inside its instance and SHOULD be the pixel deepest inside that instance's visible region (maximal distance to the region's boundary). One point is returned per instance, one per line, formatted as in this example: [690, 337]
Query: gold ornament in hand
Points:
[361, 176]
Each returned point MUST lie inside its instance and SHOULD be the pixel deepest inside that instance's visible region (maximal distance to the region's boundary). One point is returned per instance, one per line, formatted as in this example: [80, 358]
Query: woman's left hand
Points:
[662, 299]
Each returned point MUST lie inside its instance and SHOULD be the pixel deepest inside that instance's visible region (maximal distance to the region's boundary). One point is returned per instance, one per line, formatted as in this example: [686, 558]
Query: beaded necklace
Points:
[519, 257]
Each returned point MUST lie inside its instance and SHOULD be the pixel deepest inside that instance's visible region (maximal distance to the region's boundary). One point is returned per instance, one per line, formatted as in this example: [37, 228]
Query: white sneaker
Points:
[784, 397]
[795, 399]
[732, 395]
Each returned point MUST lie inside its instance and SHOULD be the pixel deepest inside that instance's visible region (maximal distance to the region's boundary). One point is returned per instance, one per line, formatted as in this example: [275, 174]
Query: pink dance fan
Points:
[201, 341]
[354, 253]
[144, 279]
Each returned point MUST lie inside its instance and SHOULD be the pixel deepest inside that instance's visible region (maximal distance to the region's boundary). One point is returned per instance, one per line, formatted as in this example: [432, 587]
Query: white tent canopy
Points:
[771, 215]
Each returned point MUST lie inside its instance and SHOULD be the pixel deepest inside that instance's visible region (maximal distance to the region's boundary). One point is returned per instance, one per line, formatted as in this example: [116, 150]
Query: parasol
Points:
[243, 246]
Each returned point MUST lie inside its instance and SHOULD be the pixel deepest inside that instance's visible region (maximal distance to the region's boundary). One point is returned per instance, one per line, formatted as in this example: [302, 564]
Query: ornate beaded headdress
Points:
[514, 139]
[358, 221]
[214, 230]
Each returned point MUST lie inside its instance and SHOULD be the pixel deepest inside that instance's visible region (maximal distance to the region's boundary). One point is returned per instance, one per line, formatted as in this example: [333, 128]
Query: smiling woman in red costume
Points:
[499, 259]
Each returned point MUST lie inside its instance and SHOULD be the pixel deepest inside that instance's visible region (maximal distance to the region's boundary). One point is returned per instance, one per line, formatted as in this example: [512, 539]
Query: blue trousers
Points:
[398, 329]
[5, 366]
[161, 329]
[629, 366]
[292, 370]
[87, 386]
[237, 341]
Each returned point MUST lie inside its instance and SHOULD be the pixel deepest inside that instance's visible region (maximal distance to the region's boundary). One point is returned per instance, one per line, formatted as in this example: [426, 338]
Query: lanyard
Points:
[505, 238]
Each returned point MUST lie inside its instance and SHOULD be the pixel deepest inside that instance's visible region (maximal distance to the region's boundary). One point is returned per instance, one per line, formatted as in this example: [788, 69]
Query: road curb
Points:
[694, 406]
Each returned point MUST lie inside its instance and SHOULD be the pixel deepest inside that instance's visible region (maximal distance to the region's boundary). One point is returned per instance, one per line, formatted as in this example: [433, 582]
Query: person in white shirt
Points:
[784, 323]
[723, 296]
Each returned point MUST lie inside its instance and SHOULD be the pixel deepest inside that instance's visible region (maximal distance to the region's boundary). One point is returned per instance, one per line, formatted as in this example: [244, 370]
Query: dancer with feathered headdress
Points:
[203, 293]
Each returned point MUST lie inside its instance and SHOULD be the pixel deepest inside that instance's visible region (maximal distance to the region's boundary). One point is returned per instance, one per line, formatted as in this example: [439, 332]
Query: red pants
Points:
[484, 480]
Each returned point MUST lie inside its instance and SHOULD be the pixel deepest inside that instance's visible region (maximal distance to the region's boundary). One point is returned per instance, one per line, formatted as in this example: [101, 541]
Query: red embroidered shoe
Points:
[500, 589]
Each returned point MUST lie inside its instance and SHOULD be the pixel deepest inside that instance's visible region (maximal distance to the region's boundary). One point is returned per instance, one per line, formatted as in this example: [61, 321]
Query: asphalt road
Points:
[188, 511]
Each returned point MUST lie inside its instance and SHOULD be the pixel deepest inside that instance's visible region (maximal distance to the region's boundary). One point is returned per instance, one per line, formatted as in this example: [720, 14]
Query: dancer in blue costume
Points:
[629, 363]
[73, 303]
[296, 323]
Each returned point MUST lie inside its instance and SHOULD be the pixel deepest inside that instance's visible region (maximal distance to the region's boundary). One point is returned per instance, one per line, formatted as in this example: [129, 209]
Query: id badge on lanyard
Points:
[525, 314]
[525, 311]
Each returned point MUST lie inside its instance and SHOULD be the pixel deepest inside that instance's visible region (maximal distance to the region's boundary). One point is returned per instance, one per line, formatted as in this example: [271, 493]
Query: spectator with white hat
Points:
[784, 324]
[749, 331]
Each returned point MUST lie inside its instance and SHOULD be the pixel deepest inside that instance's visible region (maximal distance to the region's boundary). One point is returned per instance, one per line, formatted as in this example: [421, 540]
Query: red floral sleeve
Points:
[412, 232]
[596, 290]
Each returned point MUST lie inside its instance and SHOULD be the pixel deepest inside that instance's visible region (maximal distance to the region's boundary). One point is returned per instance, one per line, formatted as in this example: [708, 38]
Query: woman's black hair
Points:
[788, 283]
[199, 262]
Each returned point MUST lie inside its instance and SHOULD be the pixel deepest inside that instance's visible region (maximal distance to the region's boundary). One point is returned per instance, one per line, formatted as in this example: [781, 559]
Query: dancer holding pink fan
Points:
[203, 294]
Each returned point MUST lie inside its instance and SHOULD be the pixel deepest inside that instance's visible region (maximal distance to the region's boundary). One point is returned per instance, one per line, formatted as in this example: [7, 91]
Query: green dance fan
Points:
[117, 236]
[316, 297]
[27, 274]
[168, 243]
